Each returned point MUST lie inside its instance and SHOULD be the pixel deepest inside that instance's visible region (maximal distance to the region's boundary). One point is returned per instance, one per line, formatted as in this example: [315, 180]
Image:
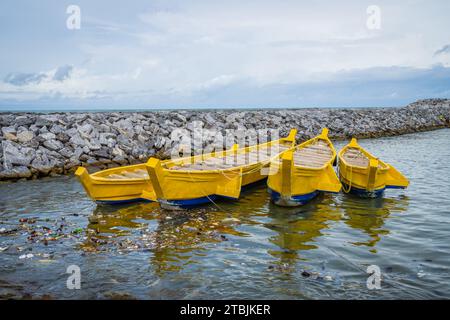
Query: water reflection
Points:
[173, 237]
[370, 215]
[298, 228]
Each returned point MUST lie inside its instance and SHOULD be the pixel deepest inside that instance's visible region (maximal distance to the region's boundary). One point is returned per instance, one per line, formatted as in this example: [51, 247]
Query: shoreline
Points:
[34, 145]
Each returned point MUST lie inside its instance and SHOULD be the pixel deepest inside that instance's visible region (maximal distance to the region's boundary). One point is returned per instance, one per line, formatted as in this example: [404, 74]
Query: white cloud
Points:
[183, 49]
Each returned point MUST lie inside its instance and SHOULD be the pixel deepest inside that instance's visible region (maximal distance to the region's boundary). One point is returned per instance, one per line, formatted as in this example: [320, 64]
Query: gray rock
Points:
[104, 128]
[15, 173]
[118, 152]
[45, 120]
[56, 129]
[47, 136]
[125, 127]
[160, 142]
[86, 129]
[24, 120]
[42, 163]
[6, 130]
[63, 137]
[94, 145]
[77, 152]
[15, 155]
[106, 138]
[76, 140]
[71, 163]
[25, 136]
[101, 153]
[54, 145]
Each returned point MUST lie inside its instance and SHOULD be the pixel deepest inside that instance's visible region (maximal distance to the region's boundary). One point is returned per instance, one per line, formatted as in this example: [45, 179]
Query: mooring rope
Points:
[349, 181]
[257, 168]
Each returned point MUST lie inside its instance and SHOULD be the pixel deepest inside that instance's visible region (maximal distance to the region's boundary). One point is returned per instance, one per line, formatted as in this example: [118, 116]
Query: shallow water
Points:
[244, 249]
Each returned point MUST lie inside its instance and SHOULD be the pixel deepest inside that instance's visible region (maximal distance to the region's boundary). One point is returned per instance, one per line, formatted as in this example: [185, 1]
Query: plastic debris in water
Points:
[78, 230]
[328, 278]
[421, 274]
[26, 256]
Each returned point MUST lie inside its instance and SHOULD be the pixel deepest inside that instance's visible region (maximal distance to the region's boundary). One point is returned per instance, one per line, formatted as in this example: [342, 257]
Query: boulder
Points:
[53, 144]
[9, 130]
[10, 136]
[85, 129]
[63, 137]
[25, 136]
[24, 120]
[42, 163]
[125, 126]
[76, 140]
[117, 152]
[15, 173]
[66, 152]
[14, 154]
[106, 138]
[47, 136]
[45, 120]
[56, 129]
[101, 153]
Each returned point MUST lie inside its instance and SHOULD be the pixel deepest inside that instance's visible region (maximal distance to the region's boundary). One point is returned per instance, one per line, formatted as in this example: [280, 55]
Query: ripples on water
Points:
[244, 249]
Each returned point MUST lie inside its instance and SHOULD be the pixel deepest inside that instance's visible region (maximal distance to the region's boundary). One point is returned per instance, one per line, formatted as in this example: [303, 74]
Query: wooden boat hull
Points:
[105, 190]
[182, 188]
[367, 179]
[292, 184]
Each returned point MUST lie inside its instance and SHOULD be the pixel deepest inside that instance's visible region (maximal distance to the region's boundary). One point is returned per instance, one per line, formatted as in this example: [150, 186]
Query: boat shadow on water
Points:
[370, 215]
[299, 228]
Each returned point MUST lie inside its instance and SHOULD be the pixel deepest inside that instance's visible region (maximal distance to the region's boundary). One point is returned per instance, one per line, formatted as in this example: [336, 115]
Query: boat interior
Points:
[136, 171]
[129, 174]
[248, 156]
[355, 157]
[313, 155]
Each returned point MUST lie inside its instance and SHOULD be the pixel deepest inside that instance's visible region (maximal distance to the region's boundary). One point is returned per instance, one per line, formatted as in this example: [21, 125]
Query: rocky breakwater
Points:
[35, 145]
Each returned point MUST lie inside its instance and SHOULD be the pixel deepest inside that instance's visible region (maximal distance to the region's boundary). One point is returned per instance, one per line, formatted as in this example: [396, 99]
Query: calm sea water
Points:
[244, 249]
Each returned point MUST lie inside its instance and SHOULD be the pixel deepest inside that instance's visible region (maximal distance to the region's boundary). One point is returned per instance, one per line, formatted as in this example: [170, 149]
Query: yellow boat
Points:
[303, 172]
[365, 175]
[201, 179]
[117, 185]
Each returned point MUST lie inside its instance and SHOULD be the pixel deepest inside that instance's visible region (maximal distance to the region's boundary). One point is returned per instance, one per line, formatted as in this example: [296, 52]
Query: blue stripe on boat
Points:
[363, 193]
[298, 199]
[395, 187]
[191, 202]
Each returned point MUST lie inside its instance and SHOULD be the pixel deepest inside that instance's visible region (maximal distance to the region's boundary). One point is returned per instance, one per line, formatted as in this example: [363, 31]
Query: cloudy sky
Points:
[217, 54]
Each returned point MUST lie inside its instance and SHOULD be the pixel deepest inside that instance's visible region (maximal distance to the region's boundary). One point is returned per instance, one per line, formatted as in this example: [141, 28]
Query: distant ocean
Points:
[131, 109]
